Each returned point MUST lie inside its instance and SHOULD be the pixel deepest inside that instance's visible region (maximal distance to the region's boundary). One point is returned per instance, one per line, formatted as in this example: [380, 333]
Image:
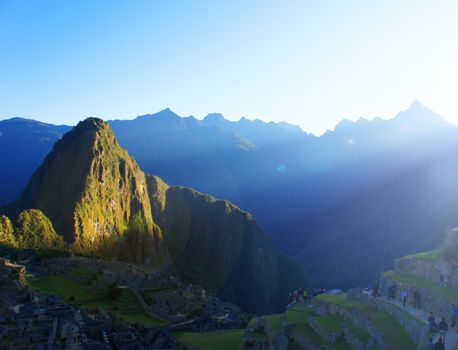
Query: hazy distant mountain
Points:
[308, 192]
[24, 143]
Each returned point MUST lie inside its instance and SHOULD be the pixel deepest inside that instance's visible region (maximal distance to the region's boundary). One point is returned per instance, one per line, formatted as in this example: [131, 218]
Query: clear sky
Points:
[310, 63]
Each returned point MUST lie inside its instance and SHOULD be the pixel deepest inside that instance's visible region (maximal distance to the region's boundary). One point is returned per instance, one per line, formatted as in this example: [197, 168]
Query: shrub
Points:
[196, 310]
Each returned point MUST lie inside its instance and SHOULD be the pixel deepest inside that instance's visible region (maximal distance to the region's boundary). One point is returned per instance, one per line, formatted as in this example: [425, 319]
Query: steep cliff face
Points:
[216, 244]
[94, 192]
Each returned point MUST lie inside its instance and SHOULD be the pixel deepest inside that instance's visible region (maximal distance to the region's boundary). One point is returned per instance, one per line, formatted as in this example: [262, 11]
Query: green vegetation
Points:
[395, 336]
[431, 255]
[333, 323]
[393, 333]
[449, 293]
[336, 323]
[35, 231]
[63, 287]
[275, 322]
[338, 299]
[298, 317]
[218, 340]
[6, 232]
[126, 306]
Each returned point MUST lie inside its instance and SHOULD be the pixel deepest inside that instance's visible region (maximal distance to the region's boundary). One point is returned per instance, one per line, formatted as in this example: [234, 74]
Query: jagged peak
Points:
[214, 116]
[92, 123]
[416, 104]
[164, 114]
[418, 112]
[215, 119]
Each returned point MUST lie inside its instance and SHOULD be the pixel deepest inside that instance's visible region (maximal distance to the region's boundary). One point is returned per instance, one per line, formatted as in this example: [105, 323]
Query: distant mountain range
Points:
[345, 203]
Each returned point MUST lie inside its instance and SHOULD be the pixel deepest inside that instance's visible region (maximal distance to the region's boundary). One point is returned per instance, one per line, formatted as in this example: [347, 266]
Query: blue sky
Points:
[311, 63]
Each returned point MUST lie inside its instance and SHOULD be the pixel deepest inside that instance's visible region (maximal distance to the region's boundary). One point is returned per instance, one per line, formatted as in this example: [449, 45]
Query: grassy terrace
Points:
[336, 323]
[339, 299]
[299, 315]
[275, 322]
[394, 335]
[449, 293]
[431, 255]
[126, 307]
[218, 340]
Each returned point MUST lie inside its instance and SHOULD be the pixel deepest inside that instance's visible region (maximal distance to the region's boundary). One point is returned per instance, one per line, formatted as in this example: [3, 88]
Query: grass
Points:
[338, 299]
[218, 340]
[336, 323]
[66, 288]
[394, 335]
[298, 317]
[63, 287]
[333, 323]
[275, 322]
[448, 293]
[431, 255]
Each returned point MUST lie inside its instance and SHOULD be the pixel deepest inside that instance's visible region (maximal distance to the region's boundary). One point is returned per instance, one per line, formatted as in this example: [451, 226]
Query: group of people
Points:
[303, 295]
[439, 345]
[441, 327]
[373, 289]
[404, 295]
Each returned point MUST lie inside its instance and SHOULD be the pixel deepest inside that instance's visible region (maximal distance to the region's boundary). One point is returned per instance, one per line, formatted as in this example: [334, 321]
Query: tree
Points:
[7, 232]
[35, 231]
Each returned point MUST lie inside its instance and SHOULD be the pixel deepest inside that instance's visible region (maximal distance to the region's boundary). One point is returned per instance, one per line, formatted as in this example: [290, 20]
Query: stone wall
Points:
[323, 308]
[417, 329]
[325, 333]
[362, 321]
[439, 272]
[428, 300]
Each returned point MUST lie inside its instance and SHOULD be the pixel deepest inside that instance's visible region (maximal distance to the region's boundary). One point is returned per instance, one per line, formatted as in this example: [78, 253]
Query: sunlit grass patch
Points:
[434, 255]
[217, 340]
[127, 307]
[394, 334]
[341, 300]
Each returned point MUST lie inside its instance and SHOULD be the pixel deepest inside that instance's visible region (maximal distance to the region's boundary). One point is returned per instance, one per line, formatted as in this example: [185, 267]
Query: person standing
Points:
[454, 312]
[443, 328]
[404, 297]
[432, 323]
[376, 289]
[416, 299]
